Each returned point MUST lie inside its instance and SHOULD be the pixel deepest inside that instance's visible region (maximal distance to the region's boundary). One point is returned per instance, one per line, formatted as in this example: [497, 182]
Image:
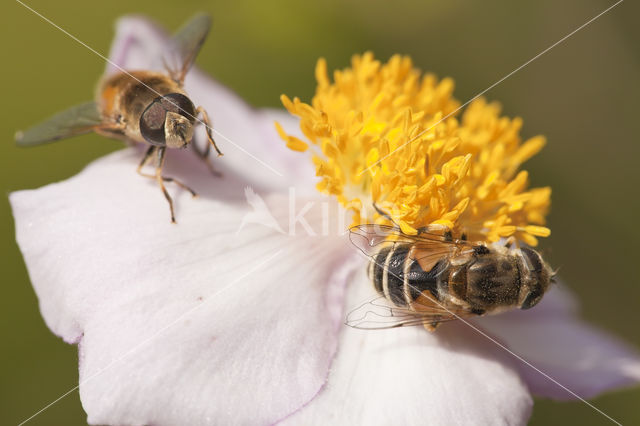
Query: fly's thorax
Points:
[493, 279]
[457, 280]
[499, 278]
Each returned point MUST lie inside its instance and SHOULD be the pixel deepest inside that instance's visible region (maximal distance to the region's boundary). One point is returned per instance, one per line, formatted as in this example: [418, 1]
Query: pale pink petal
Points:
[251, 146]
[138, 44]
[551, 337]
[298, 165]
[194, 323]
[408, 376]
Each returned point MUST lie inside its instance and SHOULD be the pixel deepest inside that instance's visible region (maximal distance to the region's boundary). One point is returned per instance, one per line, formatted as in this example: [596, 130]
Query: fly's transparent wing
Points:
[371, 238]
[185, 46]
[77, 120]
[426, 248]
[379, 314]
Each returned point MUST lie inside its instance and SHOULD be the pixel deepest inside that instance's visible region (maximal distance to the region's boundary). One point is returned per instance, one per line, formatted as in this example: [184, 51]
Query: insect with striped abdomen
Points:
[141, 106]
[430, 278]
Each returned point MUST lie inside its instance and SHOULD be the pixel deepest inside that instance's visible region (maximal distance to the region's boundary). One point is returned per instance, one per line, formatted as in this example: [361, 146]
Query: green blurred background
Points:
[583, 95]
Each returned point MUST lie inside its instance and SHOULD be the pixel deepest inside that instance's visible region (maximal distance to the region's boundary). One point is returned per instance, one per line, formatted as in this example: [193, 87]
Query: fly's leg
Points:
[511, 241]
[160, 151]
[114, 129]
[385, 215]
[158, 176]
[204, 155]
[207, 123]
[145, 160]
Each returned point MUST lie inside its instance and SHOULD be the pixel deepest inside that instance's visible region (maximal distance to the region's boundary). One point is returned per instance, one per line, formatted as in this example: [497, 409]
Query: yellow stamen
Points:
[383, 138]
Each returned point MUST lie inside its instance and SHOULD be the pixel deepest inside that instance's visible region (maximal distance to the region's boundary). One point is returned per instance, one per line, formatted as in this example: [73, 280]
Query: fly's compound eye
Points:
[152, 123]
[152, 120]
[531, 300]
[533, 258]
[180, 104]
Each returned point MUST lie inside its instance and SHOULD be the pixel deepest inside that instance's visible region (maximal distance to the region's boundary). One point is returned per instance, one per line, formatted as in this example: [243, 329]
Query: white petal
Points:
[247, 137]
[552, 338]
[186, 323]
[407, 376]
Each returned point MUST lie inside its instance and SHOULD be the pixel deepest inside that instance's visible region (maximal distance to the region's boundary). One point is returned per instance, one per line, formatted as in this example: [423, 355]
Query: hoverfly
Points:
[146, 107]
[430, 278]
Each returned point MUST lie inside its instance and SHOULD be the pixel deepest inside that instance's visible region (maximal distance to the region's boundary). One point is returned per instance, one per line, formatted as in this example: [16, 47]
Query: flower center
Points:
[386, 142]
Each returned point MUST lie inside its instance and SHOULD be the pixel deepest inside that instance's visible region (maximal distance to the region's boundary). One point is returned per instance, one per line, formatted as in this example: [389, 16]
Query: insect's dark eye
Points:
[534, 259]
[152, 123]
[153, 117]
[531, 300]
[179, 103]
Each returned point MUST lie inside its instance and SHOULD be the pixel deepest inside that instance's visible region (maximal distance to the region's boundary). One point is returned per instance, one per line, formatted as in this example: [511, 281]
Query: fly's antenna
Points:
[385, 214]
[382, 212]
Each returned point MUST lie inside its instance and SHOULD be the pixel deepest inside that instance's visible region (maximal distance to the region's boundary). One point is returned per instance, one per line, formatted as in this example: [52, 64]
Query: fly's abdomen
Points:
[400, 279]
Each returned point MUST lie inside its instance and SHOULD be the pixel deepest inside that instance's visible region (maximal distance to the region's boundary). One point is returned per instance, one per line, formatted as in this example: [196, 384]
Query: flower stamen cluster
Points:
[386, 134]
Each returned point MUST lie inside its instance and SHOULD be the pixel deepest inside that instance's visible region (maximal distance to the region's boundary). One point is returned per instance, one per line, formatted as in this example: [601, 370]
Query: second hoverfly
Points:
[146, 107]
[430, 278]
